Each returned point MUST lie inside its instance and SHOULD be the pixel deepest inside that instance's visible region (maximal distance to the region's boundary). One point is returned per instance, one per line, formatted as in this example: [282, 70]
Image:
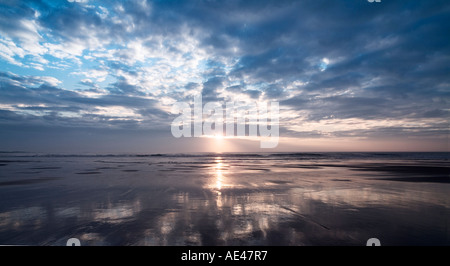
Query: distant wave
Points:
[278, 155]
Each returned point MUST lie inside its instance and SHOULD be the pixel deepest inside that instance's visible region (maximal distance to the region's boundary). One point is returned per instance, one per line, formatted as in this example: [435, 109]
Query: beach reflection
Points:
[219, 174]
[218, 180]
[216, 204]
[116, 213]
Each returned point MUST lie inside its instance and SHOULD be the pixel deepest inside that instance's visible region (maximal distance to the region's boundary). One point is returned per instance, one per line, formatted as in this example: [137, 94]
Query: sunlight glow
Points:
[219, 174]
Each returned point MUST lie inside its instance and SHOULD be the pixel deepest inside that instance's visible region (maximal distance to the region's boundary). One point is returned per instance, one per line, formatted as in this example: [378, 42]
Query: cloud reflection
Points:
[322, 204]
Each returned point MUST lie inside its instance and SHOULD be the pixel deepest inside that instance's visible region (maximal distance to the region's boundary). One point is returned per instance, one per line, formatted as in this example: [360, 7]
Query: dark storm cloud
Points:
[12, 12]
[343, 107]
[123, 87]
[403, 46]
[6, 116]
[383, 41]
[254, 94]
[277, 39]
[47, 104]
[210, 87]
[68, 20]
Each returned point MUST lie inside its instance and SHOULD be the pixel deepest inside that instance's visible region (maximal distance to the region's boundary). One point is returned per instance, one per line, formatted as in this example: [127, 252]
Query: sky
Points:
[102, 76]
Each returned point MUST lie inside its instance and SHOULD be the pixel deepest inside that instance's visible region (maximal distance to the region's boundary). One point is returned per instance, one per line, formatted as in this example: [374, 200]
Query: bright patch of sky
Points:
[335, 72]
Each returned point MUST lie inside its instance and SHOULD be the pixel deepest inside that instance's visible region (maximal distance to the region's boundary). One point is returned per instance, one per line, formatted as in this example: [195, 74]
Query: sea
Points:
[225, 199]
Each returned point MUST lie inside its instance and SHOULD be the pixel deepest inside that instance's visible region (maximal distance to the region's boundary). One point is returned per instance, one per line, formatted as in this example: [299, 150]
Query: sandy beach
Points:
[225, 199]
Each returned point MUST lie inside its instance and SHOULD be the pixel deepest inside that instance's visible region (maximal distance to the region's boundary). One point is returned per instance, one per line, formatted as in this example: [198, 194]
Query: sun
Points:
[219, 143]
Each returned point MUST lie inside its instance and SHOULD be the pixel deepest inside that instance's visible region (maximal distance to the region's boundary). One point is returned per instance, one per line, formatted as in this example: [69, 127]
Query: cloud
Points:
[40, 100]
[253, 94]
[98, 74]
[78, 1]
[330, 64]
[9, 50]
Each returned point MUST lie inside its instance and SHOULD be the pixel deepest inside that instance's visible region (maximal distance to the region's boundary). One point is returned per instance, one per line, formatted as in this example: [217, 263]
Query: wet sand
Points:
[226, 199]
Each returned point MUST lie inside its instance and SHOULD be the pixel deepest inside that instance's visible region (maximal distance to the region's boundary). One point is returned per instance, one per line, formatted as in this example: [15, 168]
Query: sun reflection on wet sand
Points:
[223, 200]
[218, 181]
[219, 174]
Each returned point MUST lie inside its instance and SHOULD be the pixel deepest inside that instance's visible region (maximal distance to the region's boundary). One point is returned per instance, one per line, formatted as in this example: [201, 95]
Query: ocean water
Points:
[225, 199]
